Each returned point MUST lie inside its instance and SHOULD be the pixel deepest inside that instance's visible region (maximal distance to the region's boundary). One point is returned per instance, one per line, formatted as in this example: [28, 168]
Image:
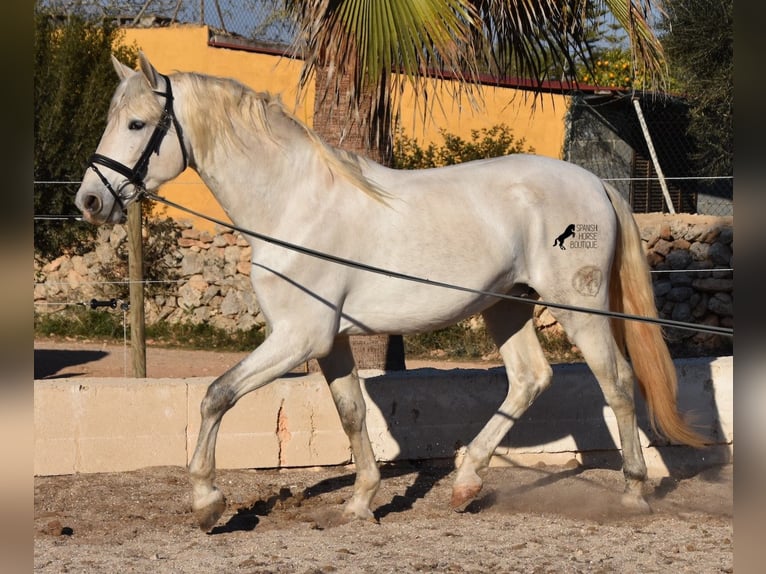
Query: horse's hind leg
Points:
[593, 335]
[529, 373]
[340, 371]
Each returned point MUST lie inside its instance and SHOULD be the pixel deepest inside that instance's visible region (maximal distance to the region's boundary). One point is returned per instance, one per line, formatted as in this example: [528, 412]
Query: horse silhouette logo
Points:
[568, 232]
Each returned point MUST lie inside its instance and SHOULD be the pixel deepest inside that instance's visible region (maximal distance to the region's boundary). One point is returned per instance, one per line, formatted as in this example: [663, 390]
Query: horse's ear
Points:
[122, 70]
[151, 74]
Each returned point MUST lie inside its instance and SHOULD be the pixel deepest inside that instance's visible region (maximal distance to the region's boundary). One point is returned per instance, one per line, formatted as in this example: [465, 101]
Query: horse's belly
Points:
[409, 308]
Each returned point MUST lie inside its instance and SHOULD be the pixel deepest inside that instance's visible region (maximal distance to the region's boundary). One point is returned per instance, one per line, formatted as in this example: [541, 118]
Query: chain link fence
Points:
[263, 21]
[648, 166]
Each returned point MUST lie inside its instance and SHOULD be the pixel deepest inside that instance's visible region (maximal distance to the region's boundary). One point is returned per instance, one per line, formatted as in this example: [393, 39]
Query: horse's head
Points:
[133, 155]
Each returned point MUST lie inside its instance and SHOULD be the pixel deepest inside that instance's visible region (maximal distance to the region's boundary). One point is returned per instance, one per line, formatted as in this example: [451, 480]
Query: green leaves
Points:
[381, 44]
[485, 143]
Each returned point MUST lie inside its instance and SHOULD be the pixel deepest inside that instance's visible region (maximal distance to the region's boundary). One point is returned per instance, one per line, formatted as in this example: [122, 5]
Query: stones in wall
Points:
[211, 279]
[692, 258]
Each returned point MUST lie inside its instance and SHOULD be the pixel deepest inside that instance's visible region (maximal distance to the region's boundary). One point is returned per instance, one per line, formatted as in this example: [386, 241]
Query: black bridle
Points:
[136, 174]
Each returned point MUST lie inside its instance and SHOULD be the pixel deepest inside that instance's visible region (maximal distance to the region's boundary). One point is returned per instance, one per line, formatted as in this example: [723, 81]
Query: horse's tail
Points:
[631, 292]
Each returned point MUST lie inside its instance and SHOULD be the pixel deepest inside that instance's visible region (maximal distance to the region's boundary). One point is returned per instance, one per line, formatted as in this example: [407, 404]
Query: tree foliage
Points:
[73, 83]
[699, 41]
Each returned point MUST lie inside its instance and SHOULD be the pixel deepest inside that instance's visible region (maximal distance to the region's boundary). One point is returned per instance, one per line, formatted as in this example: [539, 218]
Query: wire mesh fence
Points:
[256, 20]
[651, 166]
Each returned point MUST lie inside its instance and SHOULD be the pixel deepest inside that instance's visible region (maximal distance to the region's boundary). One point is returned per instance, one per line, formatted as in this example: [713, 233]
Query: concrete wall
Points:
[108, 425]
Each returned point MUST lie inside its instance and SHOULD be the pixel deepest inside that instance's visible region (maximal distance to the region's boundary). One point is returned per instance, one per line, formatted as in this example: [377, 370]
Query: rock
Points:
[681, 244]
[719, 254]
[699, 251]
[721, 304]
[678, 259]
[679, 294]
[682, 312]
[117, 235]
[713, 285]
[191, 264]
[663, 247]
[662, 287]
[231, 254]
[231, 304]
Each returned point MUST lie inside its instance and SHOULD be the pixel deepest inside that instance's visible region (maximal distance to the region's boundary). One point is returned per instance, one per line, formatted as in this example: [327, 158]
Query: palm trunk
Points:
[372, 139]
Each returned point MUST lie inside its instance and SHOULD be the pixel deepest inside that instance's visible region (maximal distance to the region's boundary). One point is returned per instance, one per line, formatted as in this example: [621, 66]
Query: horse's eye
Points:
[136, 125]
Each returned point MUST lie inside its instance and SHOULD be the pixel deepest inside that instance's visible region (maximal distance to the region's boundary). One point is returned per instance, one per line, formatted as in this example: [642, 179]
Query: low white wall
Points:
[108, 425]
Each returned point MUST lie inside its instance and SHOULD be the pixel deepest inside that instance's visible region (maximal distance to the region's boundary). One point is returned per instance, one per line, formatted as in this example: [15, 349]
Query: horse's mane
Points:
[228, 103]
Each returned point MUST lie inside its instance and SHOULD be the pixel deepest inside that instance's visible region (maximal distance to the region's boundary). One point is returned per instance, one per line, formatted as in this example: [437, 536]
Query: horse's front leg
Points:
[340, 371]
[273, 358]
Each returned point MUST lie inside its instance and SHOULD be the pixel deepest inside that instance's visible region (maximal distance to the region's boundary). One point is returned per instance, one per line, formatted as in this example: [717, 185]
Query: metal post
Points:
[136, 278]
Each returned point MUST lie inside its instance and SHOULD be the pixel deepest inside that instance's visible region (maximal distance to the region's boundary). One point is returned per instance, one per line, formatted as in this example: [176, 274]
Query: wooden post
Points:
[136, 278]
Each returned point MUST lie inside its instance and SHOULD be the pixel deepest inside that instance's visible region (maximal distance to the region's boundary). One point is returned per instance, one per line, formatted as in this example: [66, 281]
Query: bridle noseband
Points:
[136, 174]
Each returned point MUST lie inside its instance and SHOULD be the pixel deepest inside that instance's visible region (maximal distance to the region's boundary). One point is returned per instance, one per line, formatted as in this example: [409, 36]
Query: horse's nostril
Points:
[92, 203]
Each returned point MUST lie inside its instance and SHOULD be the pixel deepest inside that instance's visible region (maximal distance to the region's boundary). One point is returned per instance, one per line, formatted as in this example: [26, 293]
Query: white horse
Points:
[490, 226]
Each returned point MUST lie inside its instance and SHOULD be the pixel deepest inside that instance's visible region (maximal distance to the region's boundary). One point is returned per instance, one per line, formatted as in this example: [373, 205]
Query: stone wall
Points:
[207, 279]
[211, 276]
[684, 252]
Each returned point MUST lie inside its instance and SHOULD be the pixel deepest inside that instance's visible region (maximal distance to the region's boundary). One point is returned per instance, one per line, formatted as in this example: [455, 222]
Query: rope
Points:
[396, 275]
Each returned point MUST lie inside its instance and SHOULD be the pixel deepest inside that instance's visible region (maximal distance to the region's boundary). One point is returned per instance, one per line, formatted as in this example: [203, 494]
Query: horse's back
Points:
[506, 207]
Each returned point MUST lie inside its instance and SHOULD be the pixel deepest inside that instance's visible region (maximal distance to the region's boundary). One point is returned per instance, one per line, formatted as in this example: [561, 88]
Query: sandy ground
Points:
[76, 358]
[542, 519]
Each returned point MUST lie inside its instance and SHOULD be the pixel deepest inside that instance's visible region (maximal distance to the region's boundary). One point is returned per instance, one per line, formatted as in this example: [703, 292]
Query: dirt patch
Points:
[526, 520]
[543, 519]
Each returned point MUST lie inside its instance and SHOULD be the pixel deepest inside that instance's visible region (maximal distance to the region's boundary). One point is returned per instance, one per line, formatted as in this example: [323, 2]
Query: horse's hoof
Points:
[636, 503]
[462, 496]
[358, 512]
[209, 510]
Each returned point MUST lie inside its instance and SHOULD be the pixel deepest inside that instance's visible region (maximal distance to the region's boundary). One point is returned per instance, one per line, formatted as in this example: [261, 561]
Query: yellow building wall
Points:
[185, 48]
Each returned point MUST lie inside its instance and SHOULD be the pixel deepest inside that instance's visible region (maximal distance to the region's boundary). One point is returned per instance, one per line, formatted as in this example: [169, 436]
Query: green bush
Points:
[160, 238]
[204, 336]
[485, 143]
[456, 341]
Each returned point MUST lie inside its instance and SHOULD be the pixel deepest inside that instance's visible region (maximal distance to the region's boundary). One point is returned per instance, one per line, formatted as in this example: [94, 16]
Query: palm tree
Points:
[361, 53]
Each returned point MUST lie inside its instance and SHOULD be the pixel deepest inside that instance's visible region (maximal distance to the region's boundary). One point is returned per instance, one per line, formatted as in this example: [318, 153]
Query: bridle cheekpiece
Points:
[136, 174]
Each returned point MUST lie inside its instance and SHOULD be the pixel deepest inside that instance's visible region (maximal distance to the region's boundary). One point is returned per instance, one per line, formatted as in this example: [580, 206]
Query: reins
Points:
[136, 174]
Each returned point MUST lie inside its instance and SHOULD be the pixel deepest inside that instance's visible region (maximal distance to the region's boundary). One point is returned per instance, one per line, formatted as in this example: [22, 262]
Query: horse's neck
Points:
[251, 182]
[245, 191]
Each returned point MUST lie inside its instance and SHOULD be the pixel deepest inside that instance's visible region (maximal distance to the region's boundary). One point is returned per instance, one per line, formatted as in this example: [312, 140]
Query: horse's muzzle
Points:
[91, 205]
